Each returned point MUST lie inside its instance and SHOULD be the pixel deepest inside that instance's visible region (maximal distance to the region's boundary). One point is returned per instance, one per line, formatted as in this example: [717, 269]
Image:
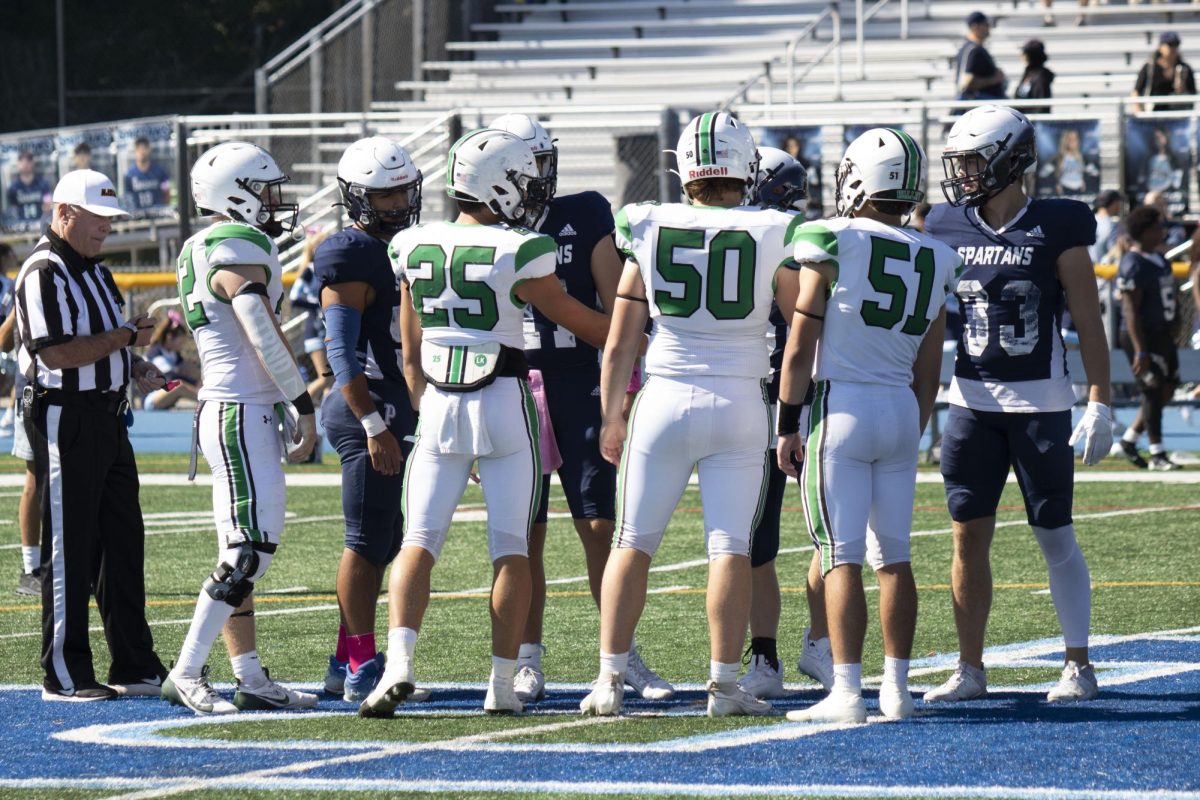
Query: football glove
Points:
[1095, 431]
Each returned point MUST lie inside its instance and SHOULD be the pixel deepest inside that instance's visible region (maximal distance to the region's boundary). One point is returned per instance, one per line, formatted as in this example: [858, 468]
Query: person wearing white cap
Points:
[75, 350]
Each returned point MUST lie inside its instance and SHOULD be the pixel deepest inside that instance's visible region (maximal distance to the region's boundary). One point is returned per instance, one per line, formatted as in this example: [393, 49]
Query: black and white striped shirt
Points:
[61, 295]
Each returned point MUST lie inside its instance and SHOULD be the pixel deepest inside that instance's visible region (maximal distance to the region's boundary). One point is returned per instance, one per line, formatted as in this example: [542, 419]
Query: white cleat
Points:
[967, 683]
[501, 699]
[817, 660]
[606, 697]
[894, 702]
[840, 706]
[396, 685]
[645, 681]
[762, 680]
[731, 700]
[270, 696]
[1077, 683]
[196, 693]
[530, 685]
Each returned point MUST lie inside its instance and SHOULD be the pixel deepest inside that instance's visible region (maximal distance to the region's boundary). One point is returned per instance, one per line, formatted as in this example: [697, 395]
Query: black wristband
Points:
[133, 334]
[304, 404]
[789, 419]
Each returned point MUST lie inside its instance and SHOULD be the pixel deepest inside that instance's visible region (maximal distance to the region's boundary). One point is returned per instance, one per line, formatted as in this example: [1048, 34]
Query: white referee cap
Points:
[90, 190]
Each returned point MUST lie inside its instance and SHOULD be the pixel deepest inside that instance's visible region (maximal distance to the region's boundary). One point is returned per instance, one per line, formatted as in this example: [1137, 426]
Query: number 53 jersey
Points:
[229, 366]
[709, 275]
[891, 284]
[1011, 355]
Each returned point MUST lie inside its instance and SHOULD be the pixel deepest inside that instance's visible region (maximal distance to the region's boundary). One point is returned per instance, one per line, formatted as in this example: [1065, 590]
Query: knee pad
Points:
[723, 543]
[506, 543]
[1058, 544]
[241, 566]
[645, 542]
[429, 541]
[883, 551]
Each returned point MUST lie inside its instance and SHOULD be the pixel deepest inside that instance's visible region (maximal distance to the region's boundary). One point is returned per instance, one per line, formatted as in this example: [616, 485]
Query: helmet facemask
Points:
[359, 201]
[270, 203]
[975, 176]
[782, 187]
[536, 193]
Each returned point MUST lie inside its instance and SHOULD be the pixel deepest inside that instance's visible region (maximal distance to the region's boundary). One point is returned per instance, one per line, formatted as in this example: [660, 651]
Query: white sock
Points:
[895, 671]
[613, 662]
[31, 556]
[208, 619]
[530, 655]
[248, 669]
[401, 643]
[1070, 582]
[1157, 449]
[722, 673]
[503, 669]
[1130, 435]
[847, 678]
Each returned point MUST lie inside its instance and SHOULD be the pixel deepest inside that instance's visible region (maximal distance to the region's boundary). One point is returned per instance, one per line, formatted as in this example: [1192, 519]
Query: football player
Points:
[229, 286]
[469, 281]
[568, 370]
[370, 416]
[1025, 260]
[781, 184]
[705, 272]
[873, 294]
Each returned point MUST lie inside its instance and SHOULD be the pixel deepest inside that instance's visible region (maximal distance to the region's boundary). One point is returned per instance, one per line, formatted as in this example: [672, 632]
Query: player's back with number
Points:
[463, 279]
[230, 367]
[709, 275]
[892, 283]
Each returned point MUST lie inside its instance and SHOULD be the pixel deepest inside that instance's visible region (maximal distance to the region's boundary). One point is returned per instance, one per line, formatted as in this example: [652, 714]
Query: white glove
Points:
[1095, 430]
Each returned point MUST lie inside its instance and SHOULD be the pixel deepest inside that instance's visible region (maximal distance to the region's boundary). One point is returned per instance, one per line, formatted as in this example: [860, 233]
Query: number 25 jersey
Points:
[891, 284]
[710, 277]
[229, 365]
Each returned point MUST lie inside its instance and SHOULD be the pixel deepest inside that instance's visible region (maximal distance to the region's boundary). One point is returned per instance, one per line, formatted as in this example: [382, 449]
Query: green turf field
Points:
[1139, 587]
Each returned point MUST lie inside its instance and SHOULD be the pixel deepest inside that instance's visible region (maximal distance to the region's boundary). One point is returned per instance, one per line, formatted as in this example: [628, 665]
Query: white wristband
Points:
[373, 424]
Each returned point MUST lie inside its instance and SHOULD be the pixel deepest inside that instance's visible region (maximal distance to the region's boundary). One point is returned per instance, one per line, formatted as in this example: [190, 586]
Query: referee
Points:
[75, 353]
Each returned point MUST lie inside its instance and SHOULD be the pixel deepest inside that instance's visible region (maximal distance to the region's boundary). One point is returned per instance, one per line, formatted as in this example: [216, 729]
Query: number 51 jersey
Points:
[228, 363]
[1011, 355]
[891, 284]
[710, 277]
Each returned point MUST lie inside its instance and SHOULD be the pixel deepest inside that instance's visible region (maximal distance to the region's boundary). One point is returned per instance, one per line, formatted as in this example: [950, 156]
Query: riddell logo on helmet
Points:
[707, 172]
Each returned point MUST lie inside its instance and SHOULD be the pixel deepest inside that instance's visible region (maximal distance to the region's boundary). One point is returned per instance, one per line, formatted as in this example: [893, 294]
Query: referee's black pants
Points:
[92, 540]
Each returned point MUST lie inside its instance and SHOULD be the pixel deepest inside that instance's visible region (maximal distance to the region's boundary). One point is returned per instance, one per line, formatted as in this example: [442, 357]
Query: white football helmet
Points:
[378, 166]
[241, 181]
[881, 164]
[782, 181]
[496, 168]
[715, 145]
[989, 148]
[545, 152]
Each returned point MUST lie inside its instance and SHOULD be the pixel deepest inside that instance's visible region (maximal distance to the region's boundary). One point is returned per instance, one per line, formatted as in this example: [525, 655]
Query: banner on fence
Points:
[1068, 159]
[1158, 158]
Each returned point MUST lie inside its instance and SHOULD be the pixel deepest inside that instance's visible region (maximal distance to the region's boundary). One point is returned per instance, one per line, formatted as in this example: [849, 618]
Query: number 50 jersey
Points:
[1011, 355]
[710, 277]
[891, 284]
[229, 366]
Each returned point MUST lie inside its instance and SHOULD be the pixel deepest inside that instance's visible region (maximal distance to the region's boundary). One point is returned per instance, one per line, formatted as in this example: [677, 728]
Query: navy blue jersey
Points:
[146, 189]
[25, 199]
[577, 222]
[1011, 355]
[353, 255]
[1151, 273]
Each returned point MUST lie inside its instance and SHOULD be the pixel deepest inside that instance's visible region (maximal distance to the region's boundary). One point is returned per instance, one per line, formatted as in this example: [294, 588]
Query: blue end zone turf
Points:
[1140, 739]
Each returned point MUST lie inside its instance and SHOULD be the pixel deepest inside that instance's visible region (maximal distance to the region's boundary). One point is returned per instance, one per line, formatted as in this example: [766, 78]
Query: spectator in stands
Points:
[1175, 234]
[1036, 80]
[81, 156]
[166, 354]
[975, 73]
[1048, 19]
[28, 194]
[147, 184]
[1165, 72]
[1107, 208]
[1148, 336]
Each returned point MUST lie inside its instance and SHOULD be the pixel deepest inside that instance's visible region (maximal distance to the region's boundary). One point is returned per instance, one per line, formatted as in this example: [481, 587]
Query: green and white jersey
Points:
[463, 278]
[231, 369]
[892, 282]
[710, 278]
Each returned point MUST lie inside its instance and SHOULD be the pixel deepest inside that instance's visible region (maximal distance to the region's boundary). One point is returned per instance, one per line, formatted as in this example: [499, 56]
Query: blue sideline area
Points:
[1139, 738]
